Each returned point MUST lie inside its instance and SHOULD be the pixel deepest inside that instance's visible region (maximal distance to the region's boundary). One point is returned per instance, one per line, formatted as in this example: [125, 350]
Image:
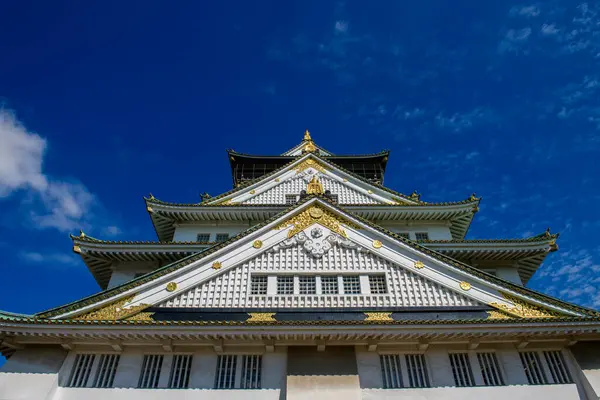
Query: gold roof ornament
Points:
[314, 186]
[316, 214]
[307, 135]
[81, 234]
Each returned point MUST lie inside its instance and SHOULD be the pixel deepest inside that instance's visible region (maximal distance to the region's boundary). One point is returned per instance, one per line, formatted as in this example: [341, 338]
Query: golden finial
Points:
[307, 135]
[151, 196]
[314, 186]
[81, 234]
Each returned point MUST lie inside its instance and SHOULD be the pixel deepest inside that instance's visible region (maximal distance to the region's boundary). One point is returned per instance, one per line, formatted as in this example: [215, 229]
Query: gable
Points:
[297, 225]
[294, 258]
[293, 179]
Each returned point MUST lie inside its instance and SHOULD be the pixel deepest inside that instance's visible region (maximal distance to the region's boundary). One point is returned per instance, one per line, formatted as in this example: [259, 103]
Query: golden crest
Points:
[316, 214]
[521, 309]
[419, 265]
[378, 316]
[113, 311]
[171, 286]
[465, 285]
[314, 186]
[252, 191]
[310, 163]
[377, 244]
[216, 265]
[257, 244]
[261, 317]
[370, 191]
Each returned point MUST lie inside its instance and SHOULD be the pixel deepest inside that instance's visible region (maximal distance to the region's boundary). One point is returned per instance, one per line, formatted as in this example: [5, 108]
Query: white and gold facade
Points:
[308, 282]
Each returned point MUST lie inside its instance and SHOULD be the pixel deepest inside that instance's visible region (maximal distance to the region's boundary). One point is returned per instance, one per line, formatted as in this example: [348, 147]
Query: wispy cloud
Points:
[62, 204]
[53, 259]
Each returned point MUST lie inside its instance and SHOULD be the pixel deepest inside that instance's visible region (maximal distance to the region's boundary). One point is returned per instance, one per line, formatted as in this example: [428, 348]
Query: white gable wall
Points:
[405, 289]
[189, 233]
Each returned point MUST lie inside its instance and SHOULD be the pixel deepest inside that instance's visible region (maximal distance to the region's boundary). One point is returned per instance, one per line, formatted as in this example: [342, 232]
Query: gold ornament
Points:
[345, 180]
[276, 179]
[310, 163]
[498, 315]
[257, 244]
[113, 311]
[149, 209]
[377, 244]
[465, 285]
[314, 186]
[307, 135]
[378, 316]
[171, 286]
[523, 309]
[370, 191]
[261, 317]
[316, 214]
[252, 191]
[216, 265]
[419, 265]
[76, 249]
[310, 147]
[142, 316]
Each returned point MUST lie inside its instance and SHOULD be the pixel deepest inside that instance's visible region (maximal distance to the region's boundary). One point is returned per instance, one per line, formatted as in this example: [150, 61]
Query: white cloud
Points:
[341, 26]
[58, 204]
[525, 11]
[48, 258]
[112, 230]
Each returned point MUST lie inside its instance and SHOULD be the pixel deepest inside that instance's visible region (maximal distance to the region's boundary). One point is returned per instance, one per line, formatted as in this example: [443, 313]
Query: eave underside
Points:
[164, 217]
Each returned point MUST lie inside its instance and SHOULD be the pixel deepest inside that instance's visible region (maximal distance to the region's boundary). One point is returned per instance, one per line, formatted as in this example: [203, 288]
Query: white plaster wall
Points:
[435, 231]
[164, 394]
[510, 274]
[31, 373]
[545, 392]
[189, 233]
[119, 277]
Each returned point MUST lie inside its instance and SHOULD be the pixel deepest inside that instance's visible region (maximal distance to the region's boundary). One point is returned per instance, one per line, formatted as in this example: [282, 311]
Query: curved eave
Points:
[165, 215]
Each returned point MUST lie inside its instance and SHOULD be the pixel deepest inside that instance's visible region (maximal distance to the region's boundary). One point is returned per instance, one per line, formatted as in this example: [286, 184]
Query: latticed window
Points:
[490, 369]
[558, 367]
[422, 236]
[221, 237]
[285, 285]
[329, 285]
[251, 372]
[82, 367]
[308, 285]
[107, 369]
[225, 376]
[417, 371]
[351, 284]
[533, 368]
[391, 371]
[203, 237]
[150, 374]
[461, 369]
[180, 371]
[258, 285]
[377, 284]
[405, 235]
[290, 199]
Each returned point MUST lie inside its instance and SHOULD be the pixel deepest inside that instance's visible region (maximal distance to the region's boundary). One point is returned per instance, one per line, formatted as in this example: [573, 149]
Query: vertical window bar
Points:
[557, 366]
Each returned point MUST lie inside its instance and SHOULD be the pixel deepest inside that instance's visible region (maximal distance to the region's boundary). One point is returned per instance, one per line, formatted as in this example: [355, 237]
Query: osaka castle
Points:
[309, 279]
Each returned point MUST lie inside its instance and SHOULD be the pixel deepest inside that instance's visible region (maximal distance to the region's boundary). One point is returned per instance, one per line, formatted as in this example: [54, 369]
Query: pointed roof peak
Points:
[307, 135]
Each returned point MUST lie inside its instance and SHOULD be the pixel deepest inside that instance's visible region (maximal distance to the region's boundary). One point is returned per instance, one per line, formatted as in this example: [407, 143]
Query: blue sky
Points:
[105, 102]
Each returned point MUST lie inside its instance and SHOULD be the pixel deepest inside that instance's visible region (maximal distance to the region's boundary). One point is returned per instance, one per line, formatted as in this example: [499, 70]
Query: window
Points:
[150, 374]
[533, 368]
[329, 285]
[391, 371]
[258, 285]
[417, 371]
[225, 377]
[107, 369]
[81, 370]
[203, 237]
[405, 235]
[308, 285]
[290, 199]
[490, 369]
[558, 367]
[351, 284]
[221, 237]
[461, 369]
[422, 236]
[251, 372]
[377, 284]
[285, 285]
[180, 371]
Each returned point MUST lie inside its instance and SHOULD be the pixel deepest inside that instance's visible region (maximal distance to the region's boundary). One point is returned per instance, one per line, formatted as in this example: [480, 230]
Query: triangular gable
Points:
[404, 288]
[293, 178]
[130, 299]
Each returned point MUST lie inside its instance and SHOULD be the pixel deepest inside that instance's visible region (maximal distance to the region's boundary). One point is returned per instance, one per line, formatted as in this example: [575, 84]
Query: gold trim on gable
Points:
[312, 215]
[115, 311]
[261, 317]
[310, 163]
[378, 316]
[521, 309]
